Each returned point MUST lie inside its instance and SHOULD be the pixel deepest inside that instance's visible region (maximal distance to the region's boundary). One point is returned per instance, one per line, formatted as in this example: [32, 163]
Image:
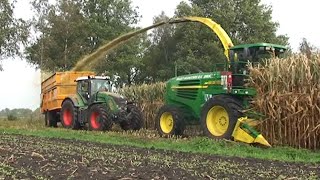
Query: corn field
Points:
[288, 94]
[149, 98]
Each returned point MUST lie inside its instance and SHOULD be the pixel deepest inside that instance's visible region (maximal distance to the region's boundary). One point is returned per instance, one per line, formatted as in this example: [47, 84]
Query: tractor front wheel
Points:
[69, 115]
[170, 121]
[99, 118]
[219, 116]
[135, 119]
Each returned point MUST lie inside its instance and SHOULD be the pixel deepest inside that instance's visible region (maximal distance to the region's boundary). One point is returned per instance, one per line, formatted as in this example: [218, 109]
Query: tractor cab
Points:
[255, 54]
[88, 87]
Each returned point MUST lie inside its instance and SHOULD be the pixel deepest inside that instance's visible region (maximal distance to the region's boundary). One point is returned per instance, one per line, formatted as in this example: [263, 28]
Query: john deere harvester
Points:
[216, 99]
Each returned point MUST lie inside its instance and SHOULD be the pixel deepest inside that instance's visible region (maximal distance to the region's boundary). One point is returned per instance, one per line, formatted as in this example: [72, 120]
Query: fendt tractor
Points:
[217, 99]
[77, 99]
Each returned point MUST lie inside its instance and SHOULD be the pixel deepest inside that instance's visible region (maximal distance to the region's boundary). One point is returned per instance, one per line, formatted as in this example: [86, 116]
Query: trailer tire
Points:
[69, 115]
[170, 121]
[219, 116]
[135, 120]
[99, 118]
[51, 119]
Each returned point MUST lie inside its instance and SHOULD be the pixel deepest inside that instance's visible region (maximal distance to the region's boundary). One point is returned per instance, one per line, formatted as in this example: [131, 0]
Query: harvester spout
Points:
[244, 132]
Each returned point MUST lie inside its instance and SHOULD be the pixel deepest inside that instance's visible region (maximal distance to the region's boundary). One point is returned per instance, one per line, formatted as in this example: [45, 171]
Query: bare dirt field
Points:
[27, 157]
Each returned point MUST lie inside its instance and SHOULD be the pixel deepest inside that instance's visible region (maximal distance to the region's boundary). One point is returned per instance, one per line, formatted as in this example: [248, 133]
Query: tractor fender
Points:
[72, 99]
[98, 102]
[94, 103]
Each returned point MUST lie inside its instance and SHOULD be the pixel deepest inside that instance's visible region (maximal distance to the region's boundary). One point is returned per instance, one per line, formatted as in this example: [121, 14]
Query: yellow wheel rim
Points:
[166, 122]
[217, 121]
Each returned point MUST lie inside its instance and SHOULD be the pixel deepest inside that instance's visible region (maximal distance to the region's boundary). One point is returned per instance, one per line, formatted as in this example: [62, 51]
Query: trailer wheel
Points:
[51, 119]
[69, 115]
[99, 118]
[135, 119]
[170, 121]
[219, 116]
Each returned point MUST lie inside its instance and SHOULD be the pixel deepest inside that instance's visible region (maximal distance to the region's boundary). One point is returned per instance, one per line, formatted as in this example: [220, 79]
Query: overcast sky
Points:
[20, 83]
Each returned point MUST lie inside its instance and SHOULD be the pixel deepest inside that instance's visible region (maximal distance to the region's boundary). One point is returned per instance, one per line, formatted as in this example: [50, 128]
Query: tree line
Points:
[19, 113]
[62, 32]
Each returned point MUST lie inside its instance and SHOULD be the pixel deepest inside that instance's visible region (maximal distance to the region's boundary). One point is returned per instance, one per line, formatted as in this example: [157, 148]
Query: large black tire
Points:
[51, 119]
[170, 121]
[219, 116]
[69, 115]
[99, 118]
[135, 119]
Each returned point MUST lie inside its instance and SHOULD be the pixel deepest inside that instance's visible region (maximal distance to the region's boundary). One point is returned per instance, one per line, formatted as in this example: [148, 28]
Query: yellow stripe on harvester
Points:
[213, 83]
[189, 87]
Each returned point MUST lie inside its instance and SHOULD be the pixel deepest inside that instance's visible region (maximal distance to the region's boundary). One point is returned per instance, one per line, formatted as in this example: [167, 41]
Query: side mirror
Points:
[88, 95]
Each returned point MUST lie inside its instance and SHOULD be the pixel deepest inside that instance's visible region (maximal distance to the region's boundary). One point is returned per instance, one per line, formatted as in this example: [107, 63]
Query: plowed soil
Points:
[27, 157]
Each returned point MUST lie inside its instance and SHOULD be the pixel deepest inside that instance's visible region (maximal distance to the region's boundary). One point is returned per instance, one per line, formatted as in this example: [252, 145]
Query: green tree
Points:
[307, 48]
[108, 20]
[13, 32]
[71, 29]
[62, 35]
[246, 21]
[125, 63]
[158, 58]
[195, 48]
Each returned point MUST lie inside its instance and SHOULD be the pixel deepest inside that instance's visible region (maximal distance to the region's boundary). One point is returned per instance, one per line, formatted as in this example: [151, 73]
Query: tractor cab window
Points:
[100, 85]
[83, 89]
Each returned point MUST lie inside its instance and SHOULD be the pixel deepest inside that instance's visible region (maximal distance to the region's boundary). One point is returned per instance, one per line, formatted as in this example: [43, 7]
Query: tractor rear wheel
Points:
[51, 119]
[170, 121]
[99, 118]
[135, 119]
[69, 115]
[219, 116]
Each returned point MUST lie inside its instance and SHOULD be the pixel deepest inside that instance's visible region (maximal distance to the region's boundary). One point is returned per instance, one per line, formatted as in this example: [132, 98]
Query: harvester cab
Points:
[255, 52]
[241, 55]
[216, 100]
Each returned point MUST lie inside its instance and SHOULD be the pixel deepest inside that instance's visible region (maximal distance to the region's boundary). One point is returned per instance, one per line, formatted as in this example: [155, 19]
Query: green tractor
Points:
[95, 104]
[217, 99]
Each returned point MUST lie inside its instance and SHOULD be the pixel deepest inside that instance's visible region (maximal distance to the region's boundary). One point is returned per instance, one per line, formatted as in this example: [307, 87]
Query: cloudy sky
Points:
[20, 83]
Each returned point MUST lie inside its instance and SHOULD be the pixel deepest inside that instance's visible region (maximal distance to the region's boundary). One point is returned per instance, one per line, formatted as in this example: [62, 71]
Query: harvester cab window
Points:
[265, 52]
[238, 60]
[281, 53]
[262, 53]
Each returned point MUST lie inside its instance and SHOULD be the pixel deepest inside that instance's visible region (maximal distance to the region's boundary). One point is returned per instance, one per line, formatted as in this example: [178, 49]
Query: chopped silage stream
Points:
[88, 61]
